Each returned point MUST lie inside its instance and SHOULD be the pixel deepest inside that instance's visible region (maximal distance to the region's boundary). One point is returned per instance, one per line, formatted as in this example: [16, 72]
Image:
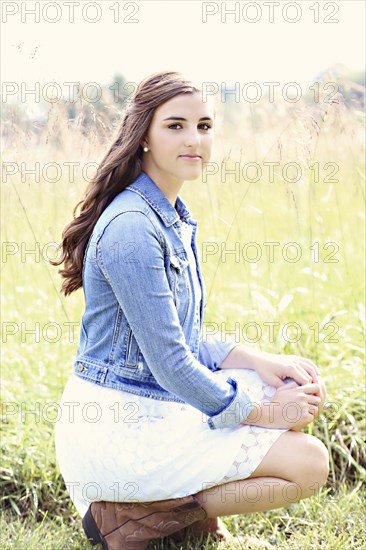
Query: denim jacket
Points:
[141, 331]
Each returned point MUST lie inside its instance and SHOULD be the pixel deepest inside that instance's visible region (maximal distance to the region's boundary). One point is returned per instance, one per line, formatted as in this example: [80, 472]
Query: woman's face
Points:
[170, 140]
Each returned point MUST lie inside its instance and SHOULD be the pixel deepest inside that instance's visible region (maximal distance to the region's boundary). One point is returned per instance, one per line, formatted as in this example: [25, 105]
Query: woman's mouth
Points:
[190, 157]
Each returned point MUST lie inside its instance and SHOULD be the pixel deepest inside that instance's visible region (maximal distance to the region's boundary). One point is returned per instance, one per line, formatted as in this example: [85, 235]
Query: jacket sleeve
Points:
[213, 351]
[131, 257]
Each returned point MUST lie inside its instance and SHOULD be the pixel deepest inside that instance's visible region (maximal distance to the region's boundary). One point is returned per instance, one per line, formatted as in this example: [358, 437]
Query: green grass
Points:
[330, 521]
[322, 297]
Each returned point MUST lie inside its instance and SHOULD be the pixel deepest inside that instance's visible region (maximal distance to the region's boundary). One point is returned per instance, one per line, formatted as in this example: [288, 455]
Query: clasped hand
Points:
[296, 403]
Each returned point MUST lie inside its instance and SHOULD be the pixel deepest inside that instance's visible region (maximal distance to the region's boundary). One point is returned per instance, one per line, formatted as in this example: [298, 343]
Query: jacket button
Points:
[80, 368]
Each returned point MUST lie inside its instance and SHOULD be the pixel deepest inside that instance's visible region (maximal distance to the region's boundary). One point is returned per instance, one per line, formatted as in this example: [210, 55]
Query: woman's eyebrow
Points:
[185, 120]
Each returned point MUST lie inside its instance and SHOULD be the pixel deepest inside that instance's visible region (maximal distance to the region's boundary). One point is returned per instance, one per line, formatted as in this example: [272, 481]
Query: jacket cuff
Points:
[212, 352]
[235, 413]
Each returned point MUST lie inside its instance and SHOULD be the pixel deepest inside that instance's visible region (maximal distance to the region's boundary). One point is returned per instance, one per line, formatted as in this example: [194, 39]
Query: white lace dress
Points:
[116, 446]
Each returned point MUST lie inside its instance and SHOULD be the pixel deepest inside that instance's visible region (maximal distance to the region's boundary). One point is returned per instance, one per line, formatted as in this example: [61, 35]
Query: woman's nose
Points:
[191, 137]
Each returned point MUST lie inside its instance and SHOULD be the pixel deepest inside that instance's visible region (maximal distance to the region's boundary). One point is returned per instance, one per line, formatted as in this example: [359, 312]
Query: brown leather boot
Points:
[213, 526]
[131, 525]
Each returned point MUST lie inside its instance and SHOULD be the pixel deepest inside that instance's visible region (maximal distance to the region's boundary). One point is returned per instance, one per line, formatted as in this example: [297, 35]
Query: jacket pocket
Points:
[132, 350]
[135, 362]
[83, 338]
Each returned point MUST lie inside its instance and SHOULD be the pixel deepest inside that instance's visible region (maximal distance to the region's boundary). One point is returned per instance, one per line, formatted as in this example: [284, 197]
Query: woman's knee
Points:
[298, 457]
[310, 465]
[314, 467]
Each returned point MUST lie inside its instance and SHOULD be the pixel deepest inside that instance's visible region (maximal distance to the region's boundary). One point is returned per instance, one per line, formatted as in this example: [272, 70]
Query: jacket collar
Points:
[147, 188]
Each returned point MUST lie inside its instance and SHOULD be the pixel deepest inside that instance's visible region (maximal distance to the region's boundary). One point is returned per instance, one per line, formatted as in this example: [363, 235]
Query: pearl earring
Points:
[146, 149]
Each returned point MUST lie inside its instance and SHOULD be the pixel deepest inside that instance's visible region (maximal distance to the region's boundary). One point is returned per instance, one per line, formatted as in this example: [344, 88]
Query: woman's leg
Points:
[294, 468]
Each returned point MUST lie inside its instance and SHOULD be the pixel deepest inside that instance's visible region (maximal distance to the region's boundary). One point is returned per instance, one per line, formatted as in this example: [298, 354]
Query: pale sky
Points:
[172, 35]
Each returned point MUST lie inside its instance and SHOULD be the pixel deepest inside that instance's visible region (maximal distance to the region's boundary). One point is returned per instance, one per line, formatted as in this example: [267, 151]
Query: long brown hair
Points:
[118, 169]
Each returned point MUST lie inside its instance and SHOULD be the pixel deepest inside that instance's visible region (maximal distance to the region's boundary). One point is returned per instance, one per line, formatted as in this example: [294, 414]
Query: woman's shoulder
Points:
[125, 211]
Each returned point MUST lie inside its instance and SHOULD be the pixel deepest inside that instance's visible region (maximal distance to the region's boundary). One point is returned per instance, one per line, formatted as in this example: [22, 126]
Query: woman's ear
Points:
[144, 143]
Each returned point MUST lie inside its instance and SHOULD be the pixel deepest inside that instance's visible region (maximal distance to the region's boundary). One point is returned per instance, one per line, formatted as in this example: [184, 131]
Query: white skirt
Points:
[116, 446]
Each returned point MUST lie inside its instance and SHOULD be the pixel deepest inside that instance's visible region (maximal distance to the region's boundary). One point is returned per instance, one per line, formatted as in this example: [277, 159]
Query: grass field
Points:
[304, 294]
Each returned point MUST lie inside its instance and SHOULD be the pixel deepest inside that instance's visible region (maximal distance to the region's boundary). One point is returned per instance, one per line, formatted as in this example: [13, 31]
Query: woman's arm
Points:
[130, 255]
[242, 358]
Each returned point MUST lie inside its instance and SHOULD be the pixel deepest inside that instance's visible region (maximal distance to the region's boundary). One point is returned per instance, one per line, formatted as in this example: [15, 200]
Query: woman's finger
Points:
[311, 364]
[300, 374]
[313, 399]
[292, 369]
[313, 410]
[311, 388]
[311, 371]
[274, 381]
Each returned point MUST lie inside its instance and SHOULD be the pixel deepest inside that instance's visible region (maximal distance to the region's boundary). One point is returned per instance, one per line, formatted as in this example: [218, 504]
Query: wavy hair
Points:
[118, 169]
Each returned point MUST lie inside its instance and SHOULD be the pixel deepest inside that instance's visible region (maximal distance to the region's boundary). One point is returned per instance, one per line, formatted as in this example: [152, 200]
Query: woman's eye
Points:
[204, 124]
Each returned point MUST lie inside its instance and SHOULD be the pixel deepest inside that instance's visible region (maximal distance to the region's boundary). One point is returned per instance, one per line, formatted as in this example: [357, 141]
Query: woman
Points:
[161, 429]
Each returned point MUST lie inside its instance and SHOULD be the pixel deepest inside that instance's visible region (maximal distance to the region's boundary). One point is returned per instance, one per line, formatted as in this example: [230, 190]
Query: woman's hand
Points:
[274, 368]
[298, 405]
[307, 387]
[292, 407]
